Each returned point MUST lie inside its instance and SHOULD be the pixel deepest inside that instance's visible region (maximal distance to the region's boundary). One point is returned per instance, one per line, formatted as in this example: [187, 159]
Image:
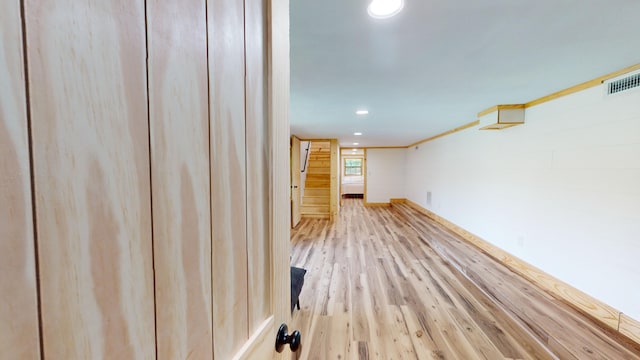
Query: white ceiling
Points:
[438, 63]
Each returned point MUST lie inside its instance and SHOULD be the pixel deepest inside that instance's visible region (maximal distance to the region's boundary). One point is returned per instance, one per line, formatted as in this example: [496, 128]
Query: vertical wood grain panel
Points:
[179, 125]
[91, 166]
[18, 305]
[257, 132]
[278, 99]
[260, 345]
[228, 175]
[334, 202]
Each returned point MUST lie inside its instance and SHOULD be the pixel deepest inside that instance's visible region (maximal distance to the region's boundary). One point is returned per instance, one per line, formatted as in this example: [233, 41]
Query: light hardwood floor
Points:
[389, 283]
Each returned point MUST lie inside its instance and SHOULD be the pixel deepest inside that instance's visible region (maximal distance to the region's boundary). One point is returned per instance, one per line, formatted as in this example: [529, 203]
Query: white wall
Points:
[561, 192]
[338, 164]
[385, 174]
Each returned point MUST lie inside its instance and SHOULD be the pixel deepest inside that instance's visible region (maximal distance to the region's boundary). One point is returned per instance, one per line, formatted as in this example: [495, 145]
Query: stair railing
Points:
[306, 157]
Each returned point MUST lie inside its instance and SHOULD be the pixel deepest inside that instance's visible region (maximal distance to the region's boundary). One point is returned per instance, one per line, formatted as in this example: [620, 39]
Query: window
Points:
[353, 167]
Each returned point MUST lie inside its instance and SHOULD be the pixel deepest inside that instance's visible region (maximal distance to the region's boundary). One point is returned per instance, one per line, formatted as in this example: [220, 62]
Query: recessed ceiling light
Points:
[354, 150]
[362, 112]
[382, 9]
[357, 133]
[356, 143]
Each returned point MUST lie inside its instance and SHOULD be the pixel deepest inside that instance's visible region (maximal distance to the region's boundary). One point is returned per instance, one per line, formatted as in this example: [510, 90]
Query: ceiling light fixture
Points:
[382, 9]
[362, 112]
[356, 143]
[357, 133]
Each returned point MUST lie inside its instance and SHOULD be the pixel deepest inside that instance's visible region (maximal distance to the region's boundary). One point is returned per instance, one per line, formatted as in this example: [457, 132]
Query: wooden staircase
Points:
[315, 202]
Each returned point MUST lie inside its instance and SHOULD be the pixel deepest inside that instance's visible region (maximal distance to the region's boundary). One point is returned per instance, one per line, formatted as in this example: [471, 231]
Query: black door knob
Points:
[284, 338]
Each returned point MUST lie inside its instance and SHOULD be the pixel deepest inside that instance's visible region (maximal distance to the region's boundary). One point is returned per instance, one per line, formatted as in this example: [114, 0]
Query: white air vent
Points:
[623, 84]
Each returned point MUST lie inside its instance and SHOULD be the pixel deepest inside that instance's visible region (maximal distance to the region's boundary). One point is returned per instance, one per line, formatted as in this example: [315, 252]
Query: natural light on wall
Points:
[382, 9]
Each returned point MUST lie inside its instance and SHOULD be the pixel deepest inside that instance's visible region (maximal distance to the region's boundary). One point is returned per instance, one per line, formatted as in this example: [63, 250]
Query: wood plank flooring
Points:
[389, 283]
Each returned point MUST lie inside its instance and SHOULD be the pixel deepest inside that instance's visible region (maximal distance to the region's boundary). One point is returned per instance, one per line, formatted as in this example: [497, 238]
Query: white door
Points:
[295, 181]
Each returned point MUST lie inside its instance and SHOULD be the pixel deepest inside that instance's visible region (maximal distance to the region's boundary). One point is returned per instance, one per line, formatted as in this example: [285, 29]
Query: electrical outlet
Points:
[520, 240]
[429, 198]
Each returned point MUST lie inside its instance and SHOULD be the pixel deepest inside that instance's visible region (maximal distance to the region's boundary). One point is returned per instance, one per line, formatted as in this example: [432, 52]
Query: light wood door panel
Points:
[278, 100]
[249, 169]
[334, 201]
[295, 181]
[91, 167]
[179, 125]
[18, 310]
[228, 175]
[279, 74]
[260, 344]
[257, 136]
